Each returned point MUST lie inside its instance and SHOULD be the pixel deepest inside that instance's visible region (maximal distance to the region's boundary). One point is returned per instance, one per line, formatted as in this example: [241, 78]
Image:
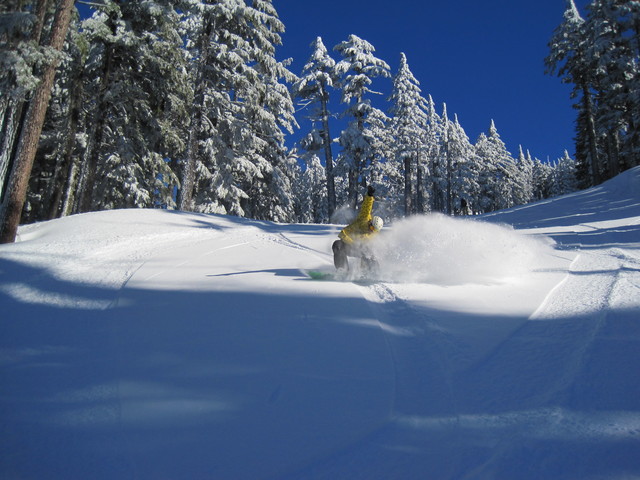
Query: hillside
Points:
[155, 344]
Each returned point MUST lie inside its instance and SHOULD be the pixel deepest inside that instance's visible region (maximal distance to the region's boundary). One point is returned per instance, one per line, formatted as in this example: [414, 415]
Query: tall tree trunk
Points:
[328, 155]
[28, 143]
[187, 184]
[64, 165]
[8, 134]
[356, 170]
[407, 186]
[84, 200]
[613, 154]
[449, 173]
[71, 188]
[185, 193]
[419, 187]
[594, 162]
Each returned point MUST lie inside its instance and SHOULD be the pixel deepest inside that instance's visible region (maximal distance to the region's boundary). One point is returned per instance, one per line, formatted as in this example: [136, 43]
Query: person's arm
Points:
[367, 206]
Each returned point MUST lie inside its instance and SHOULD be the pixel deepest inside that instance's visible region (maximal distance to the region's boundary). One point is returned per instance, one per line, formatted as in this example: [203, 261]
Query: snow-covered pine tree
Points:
[310, 192]
[629, 19]
[236, 159]
[21, 24]
[433, 144]
[461, 170]
[270, 111]
[409, 120]
[438, 166]
[135, 74]
[612, 29]
[542, 178]
[563, 179]
[487, 172]
[523, 191]
[569, 59]
[498, 173]
[378, 136]
[510, 181]
[357, 69]
[312, 91]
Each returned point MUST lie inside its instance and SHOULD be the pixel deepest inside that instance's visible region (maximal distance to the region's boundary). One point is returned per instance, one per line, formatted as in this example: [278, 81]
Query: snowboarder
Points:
[353, 238]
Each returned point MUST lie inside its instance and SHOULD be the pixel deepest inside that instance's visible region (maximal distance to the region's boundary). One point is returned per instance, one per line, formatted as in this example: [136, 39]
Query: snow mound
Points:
[451, 251]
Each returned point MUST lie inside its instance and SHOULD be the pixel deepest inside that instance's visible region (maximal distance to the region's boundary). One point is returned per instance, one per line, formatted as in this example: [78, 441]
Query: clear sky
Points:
[484, 59]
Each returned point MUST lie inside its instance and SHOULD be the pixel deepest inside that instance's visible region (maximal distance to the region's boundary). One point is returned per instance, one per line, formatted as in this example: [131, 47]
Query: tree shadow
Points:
[180, 384]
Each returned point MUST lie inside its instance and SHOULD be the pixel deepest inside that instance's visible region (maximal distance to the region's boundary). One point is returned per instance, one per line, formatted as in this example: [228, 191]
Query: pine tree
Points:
[57, 156]
[439, 177]
[568, 58]
[310, 193]
[356, 70]
[600, 56]
[12, 204]
[135, 75]
[462, 174]
[20, 56]
[408, 125]
[613, 50]
[498, 175]
[542, 176]
[312, 90]
[433, 145]
[563, 178]
[523, 189]
[236, 159]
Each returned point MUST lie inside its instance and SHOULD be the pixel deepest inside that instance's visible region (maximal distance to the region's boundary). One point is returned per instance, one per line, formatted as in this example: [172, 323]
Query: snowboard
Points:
[338, 277]
[318, 275]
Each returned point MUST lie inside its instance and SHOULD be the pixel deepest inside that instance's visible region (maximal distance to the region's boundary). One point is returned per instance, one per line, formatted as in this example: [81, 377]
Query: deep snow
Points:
[148, 344]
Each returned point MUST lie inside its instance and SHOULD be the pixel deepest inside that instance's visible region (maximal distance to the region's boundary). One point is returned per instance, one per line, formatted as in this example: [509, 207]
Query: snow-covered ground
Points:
[147, 344]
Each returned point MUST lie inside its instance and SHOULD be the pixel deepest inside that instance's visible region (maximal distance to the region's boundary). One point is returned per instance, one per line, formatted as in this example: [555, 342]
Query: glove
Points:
[371, 191]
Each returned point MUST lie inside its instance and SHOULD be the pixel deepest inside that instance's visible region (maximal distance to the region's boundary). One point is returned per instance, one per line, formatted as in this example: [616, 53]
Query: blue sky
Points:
[484, 59]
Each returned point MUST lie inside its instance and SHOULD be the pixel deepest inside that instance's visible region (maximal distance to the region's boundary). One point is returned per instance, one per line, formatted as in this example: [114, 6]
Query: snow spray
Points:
[452, 251]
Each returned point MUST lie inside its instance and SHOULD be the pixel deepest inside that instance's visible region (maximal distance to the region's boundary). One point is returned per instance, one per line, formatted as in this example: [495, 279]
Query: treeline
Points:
[420, 160]
[183, 104]
[599, 54]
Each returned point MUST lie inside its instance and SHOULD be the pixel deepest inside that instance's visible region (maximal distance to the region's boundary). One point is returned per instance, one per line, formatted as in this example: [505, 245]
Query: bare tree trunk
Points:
[328, 155]
[63, 166]
[71, 188]
[185, 193]
[28, 143]
[187, 184]
[594, 162]
[407, 187]
[613, 154]
[449, 173]
[84, 200]
[12, 114]
[419, 187]
[356, 170]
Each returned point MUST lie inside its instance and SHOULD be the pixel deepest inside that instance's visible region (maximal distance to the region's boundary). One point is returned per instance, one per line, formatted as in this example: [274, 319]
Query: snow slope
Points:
[164, 345]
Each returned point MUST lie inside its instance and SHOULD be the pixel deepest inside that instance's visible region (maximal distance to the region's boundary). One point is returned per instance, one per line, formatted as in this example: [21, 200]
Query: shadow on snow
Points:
[180, 384]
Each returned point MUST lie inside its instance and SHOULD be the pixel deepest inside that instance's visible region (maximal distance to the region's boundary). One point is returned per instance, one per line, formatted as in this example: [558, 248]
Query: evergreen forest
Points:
[183, 104]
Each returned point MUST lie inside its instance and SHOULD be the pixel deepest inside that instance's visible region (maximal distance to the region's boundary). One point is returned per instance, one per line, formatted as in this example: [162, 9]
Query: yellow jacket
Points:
[359, 230]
